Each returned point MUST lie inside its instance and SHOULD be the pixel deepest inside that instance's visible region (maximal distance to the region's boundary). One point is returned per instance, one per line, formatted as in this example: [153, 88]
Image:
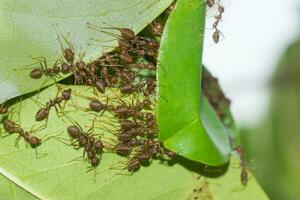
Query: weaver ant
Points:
[156, 28]
[3, 109]
[12, 127]
[37, 73]
[216, 33]
[243, 164]
[43, 112]
[92, 147]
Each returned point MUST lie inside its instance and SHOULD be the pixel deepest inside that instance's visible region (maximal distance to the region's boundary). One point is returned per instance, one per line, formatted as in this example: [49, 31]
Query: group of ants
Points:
[137, 135]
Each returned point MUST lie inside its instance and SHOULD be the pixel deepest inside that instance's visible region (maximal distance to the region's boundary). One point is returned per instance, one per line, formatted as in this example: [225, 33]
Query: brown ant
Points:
[123, 148]
[156, 28]
[128, 124]
[216, 33]
[126, 33]
[11, 127]
[92, 147]
[100, 86]
[130, 43]
[68, 53]
[210, 3]
[243, 164]
[96, 105]
[37, 73]
[151, 86]
[3, 109]
[34, 142]
[43, 113]
[133, 164]
[149, 66]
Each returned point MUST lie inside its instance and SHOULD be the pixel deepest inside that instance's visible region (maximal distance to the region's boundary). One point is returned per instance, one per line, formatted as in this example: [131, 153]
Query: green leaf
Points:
[29, 28]
[212, 89]
[187, 124]
[10, 190]
[228, 187]
[56, 176]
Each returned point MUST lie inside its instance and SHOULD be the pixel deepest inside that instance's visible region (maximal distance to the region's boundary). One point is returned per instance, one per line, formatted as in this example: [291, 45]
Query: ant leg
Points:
[41, 60]
[29, 66]
[68, 43]
[41, 105]
[37, 155]
[98, 40]
[43, 84]
[17, 141]
[80, 158]
[60, 139]
[4, 136]
[91, 130]
[60, 112]
[100, 29]
[53, 136]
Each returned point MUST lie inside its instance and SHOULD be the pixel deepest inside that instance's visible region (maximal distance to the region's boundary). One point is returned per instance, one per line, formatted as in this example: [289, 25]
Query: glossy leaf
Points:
[56, 176]
[29, 28]
[187, 124]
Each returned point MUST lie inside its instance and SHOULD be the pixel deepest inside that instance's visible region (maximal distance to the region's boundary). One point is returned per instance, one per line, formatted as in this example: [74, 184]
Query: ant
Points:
[149, 66]
[243, 164]
[123, 148]
[216, 33]
[12, 127]
[128, 88]
[210, 3]
[3, 109]
[129, 42]
[100, 86]
[124, 111]
[150, 89]
[43, 113]
[156, 28]
[68, 53]
[37, 73]
[126, 33]
[92, 147]
[96, 105]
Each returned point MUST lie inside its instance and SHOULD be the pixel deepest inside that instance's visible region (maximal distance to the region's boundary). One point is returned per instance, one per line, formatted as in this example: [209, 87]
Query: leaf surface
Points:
[58, 176]
[30, 28]
[187, 123]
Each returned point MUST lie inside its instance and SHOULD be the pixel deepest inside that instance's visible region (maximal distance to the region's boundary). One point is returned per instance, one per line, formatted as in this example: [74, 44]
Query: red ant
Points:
[37, 73]
[43, 112]
[12, 127]
[210, 3]
[3, 109]
[156, 28]
[243, 164]
[86, 140]
[216, 33]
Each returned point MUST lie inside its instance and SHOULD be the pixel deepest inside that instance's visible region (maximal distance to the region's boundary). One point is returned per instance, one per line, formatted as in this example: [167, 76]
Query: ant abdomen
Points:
[42, 114]
[74, 132]
[36, 73]
[10, 126]
[97, 106]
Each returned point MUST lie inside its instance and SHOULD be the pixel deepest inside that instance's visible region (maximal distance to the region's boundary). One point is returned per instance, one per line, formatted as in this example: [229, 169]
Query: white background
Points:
[256, 34]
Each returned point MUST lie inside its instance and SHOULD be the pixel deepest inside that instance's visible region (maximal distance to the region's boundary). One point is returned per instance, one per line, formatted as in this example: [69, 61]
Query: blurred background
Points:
[257, 62]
